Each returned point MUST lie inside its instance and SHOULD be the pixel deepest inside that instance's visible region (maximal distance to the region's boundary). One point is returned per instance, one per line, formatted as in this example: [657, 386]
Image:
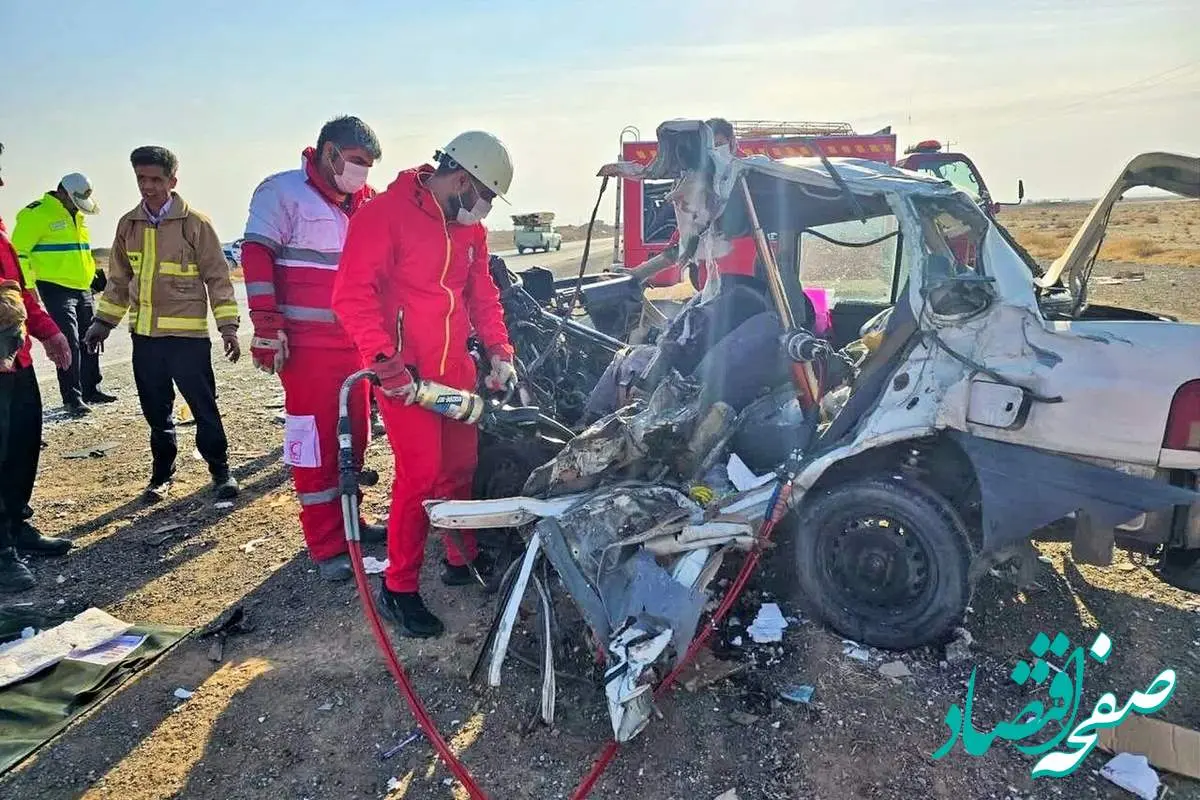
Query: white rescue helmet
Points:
[485, 157]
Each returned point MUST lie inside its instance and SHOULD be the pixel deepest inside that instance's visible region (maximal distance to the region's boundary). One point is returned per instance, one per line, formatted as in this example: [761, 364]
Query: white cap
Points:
[79, 188]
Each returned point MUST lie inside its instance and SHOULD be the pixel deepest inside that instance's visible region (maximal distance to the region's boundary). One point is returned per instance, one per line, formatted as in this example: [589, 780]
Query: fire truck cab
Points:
[929, 157]
[646, 221]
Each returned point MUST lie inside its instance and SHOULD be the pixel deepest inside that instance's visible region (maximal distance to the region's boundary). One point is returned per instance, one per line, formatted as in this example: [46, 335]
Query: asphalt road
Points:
[119, 350]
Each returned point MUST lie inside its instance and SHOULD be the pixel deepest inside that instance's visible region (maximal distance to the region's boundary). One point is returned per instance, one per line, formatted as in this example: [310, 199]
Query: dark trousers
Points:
[20, 446]
[160, 363]
[72, 311]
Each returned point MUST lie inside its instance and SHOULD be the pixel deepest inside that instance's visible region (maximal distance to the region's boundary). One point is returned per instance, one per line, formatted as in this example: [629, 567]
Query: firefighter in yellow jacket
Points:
[166, 268]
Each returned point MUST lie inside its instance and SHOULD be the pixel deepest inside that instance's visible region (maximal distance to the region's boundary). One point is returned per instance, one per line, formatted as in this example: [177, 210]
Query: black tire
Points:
[558, 246]
[921, 559]
[520, 251]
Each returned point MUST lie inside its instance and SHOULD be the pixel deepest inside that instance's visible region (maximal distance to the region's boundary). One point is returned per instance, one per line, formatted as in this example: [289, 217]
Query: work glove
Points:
[269, 345]
[503, 377]
[97, 332]
[99, 281]
[58, 350]
[233, 348]
[395, 378]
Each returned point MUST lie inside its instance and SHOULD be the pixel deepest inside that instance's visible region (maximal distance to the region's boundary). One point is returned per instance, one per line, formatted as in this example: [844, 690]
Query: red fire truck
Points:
[646, 221]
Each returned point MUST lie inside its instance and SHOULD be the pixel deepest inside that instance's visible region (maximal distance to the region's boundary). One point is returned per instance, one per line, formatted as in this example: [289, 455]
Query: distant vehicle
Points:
[233, 253]
[535, 231]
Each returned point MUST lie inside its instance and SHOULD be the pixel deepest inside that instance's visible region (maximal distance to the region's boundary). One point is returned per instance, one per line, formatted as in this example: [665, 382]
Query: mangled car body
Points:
[954, 417]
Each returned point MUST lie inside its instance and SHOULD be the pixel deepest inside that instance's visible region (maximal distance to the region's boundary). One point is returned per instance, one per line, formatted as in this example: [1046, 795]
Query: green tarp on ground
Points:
[38, 708]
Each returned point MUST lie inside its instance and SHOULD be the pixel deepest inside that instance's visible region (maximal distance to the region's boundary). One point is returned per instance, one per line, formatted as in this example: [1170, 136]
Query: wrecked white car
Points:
[948, 414]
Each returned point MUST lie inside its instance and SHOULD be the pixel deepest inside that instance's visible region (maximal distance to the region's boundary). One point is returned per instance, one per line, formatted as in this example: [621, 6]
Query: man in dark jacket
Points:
[21, 417]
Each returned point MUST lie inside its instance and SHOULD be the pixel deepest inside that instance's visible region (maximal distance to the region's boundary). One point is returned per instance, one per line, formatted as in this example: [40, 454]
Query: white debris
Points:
[183, 694]
[373, 566]
[252, 545]
[393, 784]
[730, 795]
[1133, 774]
[60, 580]
[960, 648]
[855, 651]
[768, 625]
[742, 478]
[895, 669]
[223, 504]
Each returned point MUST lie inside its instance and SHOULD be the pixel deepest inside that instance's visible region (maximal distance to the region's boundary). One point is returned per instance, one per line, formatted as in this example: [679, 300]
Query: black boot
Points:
[159, 486]
[96, 396]
[31, 542]
[461, 576]
[408, 614]
[77, 409]
[224, 484]
[14, 575]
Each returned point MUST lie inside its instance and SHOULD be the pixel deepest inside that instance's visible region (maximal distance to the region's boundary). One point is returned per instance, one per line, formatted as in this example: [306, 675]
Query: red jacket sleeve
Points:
[483, 302]
[40, 325]
[258, 269]
[356, 301]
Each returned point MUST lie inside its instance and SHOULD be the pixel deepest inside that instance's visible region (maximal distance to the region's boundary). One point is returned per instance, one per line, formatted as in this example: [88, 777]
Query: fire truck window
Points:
[658, 216]
[864, 272]
[958, 173]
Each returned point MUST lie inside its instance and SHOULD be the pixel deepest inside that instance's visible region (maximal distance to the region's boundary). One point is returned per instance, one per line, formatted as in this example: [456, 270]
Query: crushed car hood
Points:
[1170, 172]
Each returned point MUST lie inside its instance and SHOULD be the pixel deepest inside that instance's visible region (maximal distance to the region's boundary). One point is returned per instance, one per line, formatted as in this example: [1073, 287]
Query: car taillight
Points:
[1183, 423]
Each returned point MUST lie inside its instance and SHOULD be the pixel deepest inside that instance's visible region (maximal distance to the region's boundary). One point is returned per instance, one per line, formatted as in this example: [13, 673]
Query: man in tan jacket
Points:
[167, 267]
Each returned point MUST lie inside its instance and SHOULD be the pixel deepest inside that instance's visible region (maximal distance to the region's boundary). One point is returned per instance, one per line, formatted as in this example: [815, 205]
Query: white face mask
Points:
[353, 177]
[481, 209]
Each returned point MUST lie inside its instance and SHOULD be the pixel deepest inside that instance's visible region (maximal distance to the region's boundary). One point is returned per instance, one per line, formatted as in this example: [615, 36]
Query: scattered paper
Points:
[183, 694]
[1133, 774]
[110, 652]
[742, 478]
[373, 566]
[895, 669]
[84, 632]
[1173, 748]
[801, 694]
[394, 783]
[768, 625]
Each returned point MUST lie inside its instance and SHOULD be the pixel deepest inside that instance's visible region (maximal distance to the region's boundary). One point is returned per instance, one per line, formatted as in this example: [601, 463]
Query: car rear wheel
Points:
[884, 562]
[558, 246]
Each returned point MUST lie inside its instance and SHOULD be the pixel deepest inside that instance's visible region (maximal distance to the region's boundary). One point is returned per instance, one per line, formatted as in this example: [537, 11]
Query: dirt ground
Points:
[301, 706]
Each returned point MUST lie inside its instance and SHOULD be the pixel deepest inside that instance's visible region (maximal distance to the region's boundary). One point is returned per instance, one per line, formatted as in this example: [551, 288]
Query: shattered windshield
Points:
[953, 238]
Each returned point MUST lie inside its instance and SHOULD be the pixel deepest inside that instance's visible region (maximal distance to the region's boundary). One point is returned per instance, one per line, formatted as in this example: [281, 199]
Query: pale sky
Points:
[1060, 93]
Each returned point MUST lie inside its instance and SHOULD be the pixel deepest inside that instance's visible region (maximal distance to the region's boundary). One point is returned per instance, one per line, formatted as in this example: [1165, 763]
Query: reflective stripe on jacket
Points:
[53, 245]
[303, 226]
[168, 275]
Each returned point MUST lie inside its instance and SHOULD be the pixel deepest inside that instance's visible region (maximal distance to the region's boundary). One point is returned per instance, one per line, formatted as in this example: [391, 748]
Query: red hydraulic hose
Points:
[406, 688]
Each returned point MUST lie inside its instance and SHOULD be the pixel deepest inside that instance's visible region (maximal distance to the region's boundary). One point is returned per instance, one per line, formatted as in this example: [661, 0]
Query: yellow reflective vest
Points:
[52, 245]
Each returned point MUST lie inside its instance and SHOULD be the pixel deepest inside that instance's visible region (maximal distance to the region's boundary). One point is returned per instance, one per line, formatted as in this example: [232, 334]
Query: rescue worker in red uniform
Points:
[412, 284]
[293, 243]
[21, 317]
